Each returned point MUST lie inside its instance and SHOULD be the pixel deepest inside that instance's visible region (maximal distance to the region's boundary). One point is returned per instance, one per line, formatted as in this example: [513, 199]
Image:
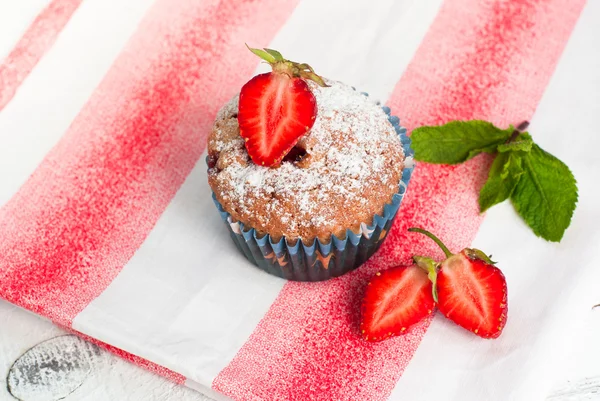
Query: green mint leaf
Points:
[522, 143]
[502, 179]
[546, 194]
[456, 141]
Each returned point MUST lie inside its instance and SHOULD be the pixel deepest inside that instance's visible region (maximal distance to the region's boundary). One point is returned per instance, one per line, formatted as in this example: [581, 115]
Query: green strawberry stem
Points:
[434, 238]
[431, 267]
[519, 130]
[474, 253]
[282, 66]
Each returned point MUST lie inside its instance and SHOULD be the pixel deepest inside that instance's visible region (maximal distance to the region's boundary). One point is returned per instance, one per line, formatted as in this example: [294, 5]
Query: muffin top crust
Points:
[339, 175]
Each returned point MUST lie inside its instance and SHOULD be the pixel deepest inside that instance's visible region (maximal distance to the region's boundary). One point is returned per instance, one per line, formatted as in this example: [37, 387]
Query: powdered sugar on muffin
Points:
[339, 175]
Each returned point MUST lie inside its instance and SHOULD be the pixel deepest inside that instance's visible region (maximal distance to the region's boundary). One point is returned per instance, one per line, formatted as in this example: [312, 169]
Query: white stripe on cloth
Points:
[60, 84]
[187, 300]
[527, 359]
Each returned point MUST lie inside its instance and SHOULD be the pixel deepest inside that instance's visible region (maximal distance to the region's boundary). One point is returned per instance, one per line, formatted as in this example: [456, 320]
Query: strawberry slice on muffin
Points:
[276, 108]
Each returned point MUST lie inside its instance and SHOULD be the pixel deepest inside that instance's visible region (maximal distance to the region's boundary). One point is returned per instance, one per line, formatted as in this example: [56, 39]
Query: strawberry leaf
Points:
[546, 194]
[502, 180]
[457, 141]
[275, 53]
[522, 143]
[430, 266]
[269, 58]
[474, 253]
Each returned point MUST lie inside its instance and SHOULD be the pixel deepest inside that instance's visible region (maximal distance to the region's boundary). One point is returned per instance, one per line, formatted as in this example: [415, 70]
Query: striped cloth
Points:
[107, 226]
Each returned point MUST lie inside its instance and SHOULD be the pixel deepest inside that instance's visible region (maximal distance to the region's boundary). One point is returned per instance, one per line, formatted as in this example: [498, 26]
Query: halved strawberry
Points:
[277, 108]
[469, 289]
[472, 293]
[395, 300]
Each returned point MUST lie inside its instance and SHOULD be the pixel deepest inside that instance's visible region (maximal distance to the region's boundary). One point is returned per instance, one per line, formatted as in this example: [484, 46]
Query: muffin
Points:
[327, 205]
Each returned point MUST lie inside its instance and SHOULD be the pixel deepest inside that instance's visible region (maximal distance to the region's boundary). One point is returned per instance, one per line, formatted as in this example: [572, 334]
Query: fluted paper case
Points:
[322, 261]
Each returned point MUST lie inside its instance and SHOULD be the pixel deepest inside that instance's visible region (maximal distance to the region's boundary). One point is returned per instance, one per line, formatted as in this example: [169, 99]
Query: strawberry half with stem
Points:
[277, 108]
[468, 289]
[395, 300]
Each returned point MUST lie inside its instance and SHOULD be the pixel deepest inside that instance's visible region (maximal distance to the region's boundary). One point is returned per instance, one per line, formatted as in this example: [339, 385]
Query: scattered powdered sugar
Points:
[352, 154]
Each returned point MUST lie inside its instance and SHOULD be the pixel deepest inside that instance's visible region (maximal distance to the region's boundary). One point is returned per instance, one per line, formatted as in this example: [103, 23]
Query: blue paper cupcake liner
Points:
[322, 261]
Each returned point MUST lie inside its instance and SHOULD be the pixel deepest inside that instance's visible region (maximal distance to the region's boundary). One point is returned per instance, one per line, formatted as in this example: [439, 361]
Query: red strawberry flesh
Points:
[275, 111]
[472, 293]
[395, 300]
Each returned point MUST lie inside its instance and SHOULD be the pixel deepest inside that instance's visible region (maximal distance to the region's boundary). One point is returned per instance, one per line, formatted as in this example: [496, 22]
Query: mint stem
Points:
[434, 238]
[520, 128]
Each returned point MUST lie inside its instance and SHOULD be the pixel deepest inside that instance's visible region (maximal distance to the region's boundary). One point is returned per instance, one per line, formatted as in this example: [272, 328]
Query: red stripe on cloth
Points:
[480, 59]
[38, 38]
[95, 197]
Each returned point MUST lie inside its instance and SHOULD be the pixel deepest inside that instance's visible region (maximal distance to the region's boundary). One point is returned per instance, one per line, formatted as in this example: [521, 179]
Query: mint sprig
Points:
[457, 141]
[541, 187]
[546, 194]
[502, 180]
[522, 142]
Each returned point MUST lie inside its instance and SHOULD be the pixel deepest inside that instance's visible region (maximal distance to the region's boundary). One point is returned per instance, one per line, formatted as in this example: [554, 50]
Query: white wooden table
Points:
[61, 366]
[75, 369]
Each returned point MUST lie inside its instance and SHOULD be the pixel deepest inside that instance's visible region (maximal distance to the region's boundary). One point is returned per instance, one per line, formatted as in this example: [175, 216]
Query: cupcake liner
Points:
[322, 261]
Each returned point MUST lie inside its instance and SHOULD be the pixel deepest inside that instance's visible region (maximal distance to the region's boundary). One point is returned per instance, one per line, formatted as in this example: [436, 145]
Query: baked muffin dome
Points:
[339, 175]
